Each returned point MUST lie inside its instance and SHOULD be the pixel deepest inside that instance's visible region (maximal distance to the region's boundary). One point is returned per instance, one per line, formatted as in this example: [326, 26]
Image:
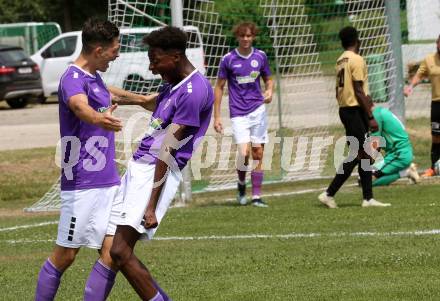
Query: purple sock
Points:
[257, 180]
[100, 282]
[158, 297]
[241, 176]
[160, 290]
[48, 282]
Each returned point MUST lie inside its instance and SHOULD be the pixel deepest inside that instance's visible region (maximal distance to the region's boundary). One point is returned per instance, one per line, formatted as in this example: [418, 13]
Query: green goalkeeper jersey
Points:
[391, 129]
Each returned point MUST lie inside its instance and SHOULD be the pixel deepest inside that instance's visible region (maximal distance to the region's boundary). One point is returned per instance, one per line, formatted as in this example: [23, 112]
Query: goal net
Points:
[300, 38]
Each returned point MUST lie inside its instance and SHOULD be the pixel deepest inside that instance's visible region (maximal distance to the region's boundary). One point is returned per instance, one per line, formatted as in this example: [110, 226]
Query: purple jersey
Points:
[243, 76]
[88, 151]
[188, 103]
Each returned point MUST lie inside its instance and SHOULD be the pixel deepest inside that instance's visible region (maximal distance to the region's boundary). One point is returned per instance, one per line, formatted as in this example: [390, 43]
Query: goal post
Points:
[300, 38]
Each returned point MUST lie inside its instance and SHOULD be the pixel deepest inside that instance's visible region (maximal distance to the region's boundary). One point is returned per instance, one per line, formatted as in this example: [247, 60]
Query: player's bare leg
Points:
[257, 175]
[63, 257]
[134, 271]
[103, 274]
[242, 167]
[50, 274]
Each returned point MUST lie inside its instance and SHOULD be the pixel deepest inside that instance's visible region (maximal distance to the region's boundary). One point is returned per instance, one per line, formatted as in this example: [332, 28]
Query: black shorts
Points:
[355, 122]
[435, 118]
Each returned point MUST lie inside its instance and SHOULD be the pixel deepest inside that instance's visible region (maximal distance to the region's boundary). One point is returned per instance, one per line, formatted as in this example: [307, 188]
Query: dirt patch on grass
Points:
[20, 213]
[419, 133]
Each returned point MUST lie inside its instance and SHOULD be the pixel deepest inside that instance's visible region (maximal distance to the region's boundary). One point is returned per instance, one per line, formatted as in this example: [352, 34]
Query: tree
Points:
[69, 14]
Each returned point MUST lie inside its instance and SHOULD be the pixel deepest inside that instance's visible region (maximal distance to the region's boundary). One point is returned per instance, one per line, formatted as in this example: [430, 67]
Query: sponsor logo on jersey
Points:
[103, 109]
[248, 78]
[155, 125]
[236, 66]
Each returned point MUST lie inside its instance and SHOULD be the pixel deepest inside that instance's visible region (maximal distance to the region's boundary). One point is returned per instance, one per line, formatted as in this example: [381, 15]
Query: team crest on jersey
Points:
[254, 63]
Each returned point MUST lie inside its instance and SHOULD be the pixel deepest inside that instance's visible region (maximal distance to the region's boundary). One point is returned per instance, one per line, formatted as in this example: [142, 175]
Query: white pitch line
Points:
[266, 236]
[279, 194]
[28, 226]
[227, 200]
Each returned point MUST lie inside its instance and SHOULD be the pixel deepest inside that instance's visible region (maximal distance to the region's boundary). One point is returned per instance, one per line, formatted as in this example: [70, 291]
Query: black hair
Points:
[97, 32]
[349, 36]
[167, 38]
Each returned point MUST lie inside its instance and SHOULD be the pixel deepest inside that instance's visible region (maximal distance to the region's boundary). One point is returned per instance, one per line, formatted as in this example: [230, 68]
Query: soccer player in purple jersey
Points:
[89, 177]
[181, 116]
[242, 68]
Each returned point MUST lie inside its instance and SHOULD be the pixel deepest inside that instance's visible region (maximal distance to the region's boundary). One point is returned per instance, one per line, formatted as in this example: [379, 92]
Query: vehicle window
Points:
[193, 39]
[12, 56]
[61, 48]
[132, 42]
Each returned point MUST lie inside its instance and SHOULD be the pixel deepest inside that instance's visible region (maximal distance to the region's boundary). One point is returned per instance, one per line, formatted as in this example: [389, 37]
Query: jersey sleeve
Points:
[188, 108]
[357, 68]
[377, 114]
[265, 68]
[223, 68]
[423, 69]
[72, 84]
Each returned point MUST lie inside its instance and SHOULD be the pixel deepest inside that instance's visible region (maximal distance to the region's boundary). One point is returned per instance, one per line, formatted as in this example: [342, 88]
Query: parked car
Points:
[128, 71]
[19, 77]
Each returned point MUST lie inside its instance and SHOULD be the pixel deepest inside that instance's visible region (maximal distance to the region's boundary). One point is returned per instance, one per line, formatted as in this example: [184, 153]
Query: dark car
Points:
[20, 78]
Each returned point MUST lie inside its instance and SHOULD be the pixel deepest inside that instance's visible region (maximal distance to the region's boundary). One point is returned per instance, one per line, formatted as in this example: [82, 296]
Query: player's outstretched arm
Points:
[366, 104]
[408, 89]
[218, 94]
[165, 163]
[123, 97]
[80, 107]
[268, 93]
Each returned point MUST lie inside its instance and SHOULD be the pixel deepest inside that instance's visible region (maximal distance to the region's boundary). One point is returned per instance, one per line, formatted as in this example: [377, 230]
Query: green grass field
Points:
[305, 252]
[214, 249]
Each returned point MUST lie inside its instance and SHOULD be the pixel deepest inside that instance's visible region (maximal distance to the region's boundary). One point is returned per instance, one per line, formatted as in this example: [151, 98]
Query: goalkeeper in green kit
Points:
[397, 162]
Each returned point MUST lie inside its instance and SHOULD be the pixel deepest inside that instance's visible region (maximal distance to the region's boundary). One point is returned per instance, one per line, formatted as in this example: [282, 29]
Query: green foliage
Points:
[233, 12]
[64, 12]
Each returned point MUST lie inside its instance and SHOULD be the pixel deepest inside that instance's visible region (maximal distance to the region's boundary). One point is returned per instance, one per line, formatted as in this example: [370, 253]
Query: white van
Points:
[128, 71]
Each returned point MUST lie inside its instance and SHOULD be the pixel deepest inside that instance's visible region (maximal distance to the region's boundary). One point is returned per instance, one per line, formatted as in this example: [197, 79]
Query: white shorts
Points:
[251, 127]
[85, 216]
[134, 195]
